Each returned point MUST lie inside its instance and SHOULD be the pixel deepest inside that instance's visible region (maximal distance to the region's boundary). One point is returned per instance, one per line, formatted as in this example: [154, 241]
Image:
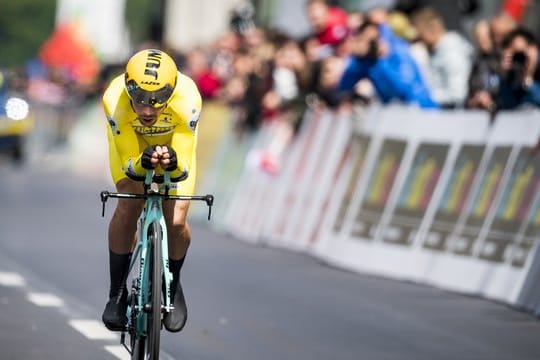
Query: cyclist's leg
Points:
[122, 230]
[175, 213]
[179, 236]
[123, 225]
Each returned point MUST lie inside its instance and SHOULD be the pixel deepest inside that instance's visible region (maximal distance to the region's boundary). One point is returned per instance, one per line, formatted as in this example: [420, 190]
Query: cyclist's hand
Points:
[150, 157]
[168, 160]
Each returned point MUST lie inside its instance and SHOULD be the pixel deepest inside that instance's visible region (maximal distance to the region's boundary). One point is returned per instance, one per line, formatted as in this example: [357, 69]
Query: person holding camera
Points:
[384, 67]
[520, 80]
[485, 75]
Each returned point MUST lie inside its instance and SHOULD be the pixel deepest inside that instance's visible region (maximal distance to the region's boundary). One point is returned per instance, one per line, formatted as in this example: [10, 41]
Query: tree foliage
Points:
[24, 26]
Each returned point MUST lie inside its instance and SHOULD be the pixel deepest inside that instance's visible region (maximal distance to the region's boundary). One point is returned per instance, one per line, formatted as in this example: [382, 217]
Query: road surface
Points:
[245, 302]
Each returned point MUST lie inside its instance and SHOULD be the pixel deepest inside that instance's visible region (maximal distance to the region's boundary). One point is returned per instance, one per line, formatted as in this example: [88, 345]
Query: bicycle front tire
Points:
[154, 318]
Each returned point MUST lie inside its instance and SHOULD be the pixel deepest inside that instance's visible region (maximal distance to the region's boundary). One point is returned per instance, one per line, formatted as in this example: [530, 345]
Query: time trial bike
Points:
[150, 295]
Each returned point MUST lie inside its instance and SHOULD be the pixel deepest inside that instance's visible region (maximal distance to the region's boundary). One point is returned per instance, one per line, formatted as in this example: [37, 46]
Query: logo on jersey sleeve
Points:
[194, 119]
[113, 124]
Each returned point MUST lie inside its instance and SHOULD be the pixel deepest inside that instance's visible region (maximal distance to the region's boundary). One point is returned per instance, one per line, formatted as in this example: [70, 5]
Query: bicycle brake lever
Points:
[104, 197]
[209, 201]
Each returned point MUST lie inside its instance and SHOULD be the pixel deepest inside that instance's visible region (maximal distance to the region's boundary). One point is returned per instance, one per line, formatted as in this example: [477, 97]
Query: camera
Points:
[373, 50]
[516, 74]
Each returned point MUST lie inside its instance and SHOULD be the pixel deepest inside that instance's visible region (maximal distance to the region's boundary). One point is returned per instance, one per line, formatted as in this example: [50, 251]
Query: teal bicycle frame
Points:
[151, 227]
[152, 214]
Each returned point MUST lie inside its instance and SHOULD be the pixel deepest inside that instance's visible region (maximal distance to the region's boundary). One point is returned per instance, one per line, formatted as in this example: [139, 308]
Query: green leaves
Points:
[24, 26]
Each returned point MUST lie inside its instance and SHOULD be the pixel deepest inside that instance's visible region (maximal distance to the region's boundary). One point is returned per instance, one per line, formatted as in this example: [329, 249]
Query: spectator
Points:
[500, 25]
[313, 50]
[245, 89]
[401, 25]
[485, 74]
[223, 55]
[243, 17]
[328, 22]
[453, 13]
[515, 8]
[377, 10]
[520, 83]
[390, 69]
[198, 68]
[354, 20]
[290, 82]
[328, 82]
[396, 29]
[449, 63]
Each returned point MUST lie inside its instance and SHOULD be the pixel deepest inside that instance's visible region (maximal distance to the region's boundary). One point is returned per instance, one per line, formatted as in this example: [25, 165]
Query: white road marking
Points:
[92, 329]
[119, 351]
[45, 300]
[11, 279]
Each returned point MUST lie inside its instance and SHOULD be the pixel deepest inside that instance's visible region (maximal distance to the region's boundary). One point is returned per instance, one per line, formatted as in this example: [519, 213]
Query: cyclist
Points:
[152, 112]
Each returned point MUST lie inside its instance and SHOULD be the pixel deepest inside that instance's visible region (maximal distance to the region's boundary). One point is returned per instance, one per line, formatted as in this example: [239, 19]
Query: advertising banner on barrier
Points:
[357, 154]
[381, 182]
[465, 238]
[452, 205]
[439, 197]
[416, 194]
[446, 207]
[502, 243]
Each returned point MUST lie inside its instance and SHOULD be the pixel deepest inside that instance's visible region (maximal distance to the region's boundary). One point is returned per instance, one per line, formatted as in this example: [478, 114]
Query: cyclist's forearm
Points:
[183, 144]
[180, 173]
[134, 169]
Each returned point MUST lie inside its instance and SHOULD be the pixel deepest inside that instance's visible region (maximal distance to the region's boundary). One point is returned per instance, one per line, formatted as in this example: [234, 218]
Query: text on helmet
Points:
[153, 62]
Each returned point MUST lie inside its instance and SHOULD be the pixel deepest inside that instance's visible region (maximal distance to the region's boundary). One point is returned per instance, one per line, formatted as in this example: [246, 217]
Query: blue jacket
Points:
[395, 77]
[512, 96]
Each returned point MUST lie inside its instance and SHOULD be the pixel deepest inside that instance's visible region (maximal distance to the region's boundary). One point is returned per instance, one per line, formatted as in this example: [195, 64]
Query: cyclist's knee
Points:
[126, 185]
[176, 214]
[181, 230]
[129, 208]
[179, 226]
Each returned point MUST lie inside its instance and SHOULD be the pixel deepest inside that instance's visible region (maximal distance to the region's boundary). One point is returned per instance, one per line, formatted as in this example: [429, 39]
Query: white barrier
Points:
[442, 198]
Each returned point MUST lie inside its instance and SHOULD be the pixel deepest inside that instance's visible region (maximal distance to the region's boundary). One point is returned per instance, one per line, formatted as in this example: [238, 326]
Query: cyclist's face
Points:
[147, 114]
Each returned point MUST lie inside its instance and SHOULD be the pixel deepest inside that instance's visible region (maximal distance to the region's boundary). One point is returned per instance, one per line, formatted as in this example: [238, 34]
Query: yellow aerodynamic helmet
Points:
[150, 77]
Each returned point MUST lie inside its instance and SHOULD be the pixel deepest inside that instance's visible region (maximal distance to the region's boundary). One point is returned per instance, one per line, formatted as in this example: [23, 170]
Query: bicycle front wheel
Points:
[154, 316]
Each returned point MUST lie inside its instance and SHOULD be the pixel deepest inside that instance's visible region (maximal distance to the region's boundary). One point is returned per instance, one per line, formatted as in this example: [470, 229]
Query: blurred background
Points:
[59, 55]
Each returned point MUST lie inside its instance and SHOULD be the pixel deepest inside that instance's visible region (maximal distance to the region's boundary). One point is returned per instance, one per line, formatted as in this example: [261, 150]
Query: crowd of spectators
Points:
[384, 51]
[377, 53]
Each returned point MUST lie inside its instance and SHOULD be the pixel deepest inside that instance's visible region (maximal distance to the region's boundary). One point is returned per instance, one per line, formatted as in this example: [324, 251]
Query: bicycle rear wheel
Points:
[154, 316]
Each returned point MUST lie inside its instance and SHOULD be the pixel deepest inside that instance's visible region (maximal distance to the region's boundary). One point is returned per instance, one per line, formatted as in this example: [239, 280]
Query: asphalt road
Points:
[245, 302]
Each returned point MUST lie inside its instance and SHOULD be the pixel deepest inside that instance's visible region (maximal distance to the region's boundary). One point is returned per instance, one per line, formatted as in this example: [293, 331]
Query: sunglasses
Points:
[156, 98]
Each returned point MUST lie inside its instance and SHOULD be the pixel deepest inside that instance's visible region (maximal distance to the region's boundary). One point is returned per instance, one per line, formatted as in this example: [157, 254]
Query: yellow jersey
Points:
[175, 127]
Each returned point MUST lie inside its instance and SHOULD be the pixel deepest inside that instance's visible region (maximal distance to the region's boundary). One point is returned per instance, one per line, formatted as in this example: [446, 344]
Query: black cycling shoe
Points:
[175, 320]
[114, 316]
